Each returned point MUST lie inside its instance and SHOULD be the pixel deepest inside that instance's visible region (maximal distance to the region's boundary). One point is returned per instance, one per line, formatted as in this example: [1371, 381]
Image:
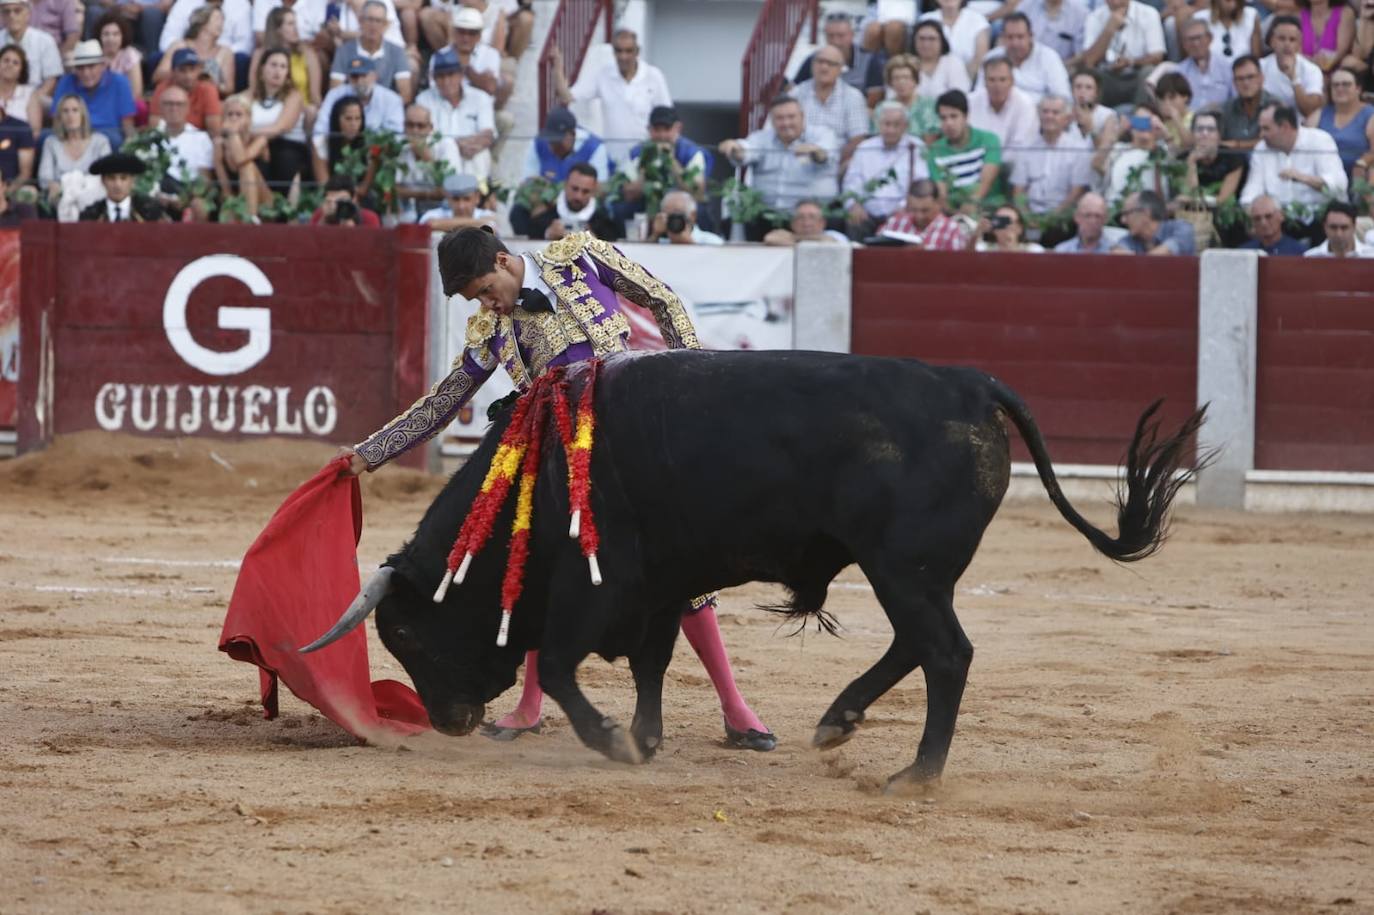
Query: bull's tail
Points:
[1155, 471]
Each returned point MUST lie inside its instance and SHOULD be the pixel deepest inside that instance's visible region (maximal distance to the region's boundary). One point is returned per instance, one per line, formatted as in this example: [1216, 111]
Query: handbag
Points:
[1199, 215]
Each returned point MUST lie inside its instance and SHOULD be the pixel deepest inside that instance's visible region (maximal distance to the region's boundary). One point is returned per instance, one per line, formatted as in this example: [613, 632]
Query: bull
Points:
[713, 469]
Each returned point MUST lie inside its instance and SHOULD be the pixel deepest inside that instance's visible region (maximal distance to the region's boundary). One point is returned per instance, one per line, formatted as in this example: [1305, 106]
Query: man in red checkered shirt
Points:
[924, 217]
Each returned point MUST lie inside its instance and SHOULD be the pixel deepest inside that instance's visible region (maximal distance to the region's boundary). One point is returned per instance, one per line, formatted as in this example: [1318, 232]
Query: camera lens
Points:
[676, 222]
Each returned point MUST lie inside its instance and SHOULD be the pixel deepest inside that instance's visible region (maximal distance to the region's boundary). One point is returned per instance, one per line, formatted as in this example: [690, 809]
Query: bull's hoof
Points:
[621, 747]
[647, 744]
[829, 736]
[912, 782]
[760, 741]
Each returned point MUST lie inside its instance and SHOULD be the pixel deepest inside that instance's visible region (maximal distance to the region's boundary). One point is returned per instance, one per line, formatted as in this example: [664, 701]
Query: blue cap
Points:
[558, 123]
[446, 61]
[459, 185]
[357, 66]
[185, 57]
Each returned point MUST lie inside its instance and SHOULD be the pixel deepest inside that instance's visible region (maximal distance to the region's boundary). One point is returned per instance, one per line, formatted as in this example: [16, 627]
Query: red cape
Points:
[295, 581]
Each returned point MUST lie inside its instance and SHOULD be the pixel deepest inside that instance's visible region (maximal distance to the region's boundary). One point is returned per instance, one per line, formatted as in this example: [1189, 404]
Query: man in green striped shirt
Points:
[966, 161]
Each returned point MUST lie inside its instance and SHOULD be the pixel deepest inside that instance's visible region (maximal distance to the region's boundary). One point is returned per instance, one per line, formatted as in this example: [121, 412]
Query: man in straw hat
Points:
[117, 172]
[108, 96]
[538, 311]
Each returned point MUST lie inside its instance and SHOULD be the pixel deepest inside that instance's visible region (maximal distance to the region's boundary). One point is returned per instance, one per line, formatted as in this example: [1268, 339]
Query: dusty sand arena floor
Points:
[1191, 734]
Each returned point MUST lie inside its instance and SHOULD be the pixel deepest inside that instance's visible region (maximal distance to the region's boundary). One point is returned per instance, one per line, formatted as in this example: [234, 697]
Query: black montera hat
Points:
[118, 164]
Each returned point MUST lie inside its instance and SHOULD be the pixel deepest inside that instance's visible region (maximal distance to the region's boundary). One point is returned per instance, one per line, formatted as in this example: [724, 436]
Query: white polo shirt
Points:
[1143, 32]
[1324, 250]
[963, 35]
[1314, 153]
[192, 151]
[1309, 76]
[625, 105]
[1017, 125]
[238, 24]
[473, 114]
[1041, 73]
[484, 59]
[45, 60]
[309, 16]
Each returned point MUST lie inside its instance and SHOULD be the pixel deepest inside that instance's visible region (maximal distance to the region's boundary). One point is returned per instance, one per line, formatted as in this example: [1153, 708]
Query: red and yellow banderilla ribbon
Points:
[516, 463]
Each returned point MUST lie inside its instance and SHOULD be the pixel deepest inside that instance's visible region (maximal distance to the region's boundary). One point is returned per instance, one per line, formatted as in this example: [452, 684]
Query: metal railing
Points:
[571, 32]
[775, 34]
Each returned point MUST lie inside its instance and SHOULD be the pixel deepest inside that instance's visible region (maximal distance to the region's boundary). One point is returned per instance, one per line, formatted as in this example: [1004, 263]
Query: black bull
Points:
[715, 469]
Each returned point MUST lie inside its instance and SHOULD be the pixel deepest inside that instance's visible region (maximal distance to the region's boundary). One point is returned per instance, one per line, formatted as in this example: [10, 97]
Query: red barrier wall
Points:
[1315, 390]
[101, 330]
[1088, 341]
[9, 327]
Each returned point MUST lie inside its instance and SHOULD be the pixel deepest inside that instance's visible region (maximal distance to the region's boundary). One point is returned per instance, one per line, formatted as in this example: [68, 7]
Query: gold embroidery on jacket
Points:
[421, 420]
[547, 335]
[639, 286]
[511, 357]
[567, 249]
[481, 327]
[607, 336]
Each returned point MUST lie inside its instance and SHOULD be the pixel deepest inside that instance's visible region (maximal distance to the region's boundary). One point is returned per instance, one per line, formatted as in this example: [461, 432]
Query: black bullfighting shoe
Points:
[489, 729]
[762, 741]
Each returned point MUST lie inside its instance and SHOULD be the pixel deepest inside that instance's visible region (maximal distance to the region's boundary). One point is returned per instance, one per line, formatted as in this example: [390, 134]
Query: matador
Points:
[537, 311]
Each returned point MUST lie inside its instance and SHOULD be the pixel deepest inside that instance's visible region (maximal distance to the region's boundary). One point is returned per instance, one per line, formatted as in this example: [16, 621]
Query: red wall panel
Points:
[1087, 341]
[347, 312]
[1315, 390]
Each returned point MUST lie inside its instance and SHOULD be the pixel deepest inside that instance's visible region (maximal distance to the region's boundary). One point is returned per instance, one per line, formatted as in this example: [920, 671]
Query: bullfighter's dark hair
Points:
[465, 254]
[582, 168]
[1340, 206]
[952, 99]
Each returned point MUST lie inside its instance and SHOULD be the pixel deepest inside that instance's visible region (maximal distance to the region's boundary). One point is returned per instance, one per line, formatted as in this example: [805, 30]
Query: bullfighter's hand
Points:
[356, 464]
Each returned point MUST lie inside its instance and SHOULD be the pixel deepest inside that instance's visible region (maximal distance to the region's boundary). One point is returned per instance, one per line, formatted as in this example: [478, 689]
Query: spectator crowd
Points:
[1108, 126]
[252, 111]
[1121, 126]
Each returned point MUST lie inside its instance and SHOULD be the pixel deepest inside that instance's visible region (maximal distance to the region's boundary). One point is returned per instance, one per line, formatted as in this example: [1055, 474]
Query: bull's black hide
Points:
[715, 469]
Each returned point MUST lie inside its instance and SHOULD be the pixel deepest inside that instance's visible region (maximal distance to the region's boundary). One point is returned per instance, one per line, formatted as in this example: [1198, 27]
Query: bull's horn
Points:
[367, 600]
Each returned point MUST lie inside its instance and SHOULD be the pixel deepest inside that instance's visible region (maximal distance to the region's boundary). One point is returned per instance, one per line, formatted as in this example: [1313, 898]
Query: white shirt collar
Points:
[121, 209]
[534, 277]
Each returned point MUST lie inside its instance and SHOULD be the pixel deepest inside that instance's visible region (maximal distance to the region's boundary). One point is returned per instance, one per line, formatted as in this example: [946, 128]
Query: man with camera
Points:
[340, 208]
[686, 163]
[676, 222]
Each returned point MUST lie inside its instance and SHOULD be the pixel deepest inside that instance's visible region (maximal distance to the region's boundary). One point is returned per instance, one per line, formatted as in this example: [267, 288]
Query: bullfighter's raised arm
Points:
[430, 414]
[641, 287]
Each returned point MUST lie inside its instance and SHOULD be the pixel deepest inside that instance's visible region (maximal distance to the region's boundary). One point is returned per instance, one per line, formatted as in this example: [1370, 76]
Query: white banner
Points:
[739, 297]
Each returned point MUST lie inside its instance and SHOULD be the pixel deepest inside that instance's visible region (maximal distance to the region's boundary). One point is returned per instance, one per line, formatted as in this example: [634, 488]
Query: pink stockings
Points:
[703, 634]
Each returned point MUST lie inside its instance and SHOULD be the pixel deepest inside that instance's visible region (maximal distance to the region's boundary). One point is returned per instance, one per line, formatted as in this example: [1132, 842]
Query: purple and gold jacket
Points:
[585, 274]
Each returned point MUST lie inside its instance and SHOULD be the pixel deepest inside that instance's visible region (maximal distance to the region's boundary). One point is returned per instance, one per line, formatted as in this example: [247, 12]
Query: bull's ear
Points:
[367, 600]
